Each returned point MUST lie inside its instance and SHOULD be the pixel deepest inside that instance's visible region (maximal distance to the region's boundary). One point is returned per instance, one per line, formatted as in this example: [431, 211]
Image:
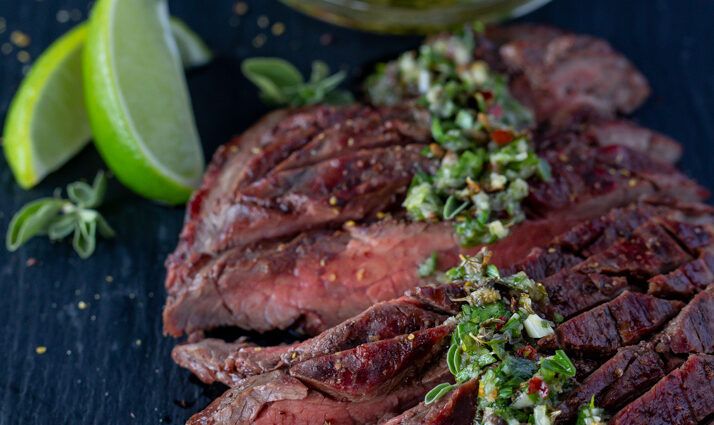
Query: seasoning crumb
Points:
[333, 200]
[278, 29]
[62, 16]
[263, 21]
[360, 274]
[75, 15]
[256, 349]
[381, 215]
[41, 349]
[350, 223]
[138, 342]
[240, 8]
[632, 182]
[19, 38]
[410, 337]
[81, 305]
[294, 354]
[68, 352]
[132, 296]
[256, 150]
[32, 261]
[109, 278]
[6, 48]
[23, 56]
[326, 39]
[332, 277]
[259, 40]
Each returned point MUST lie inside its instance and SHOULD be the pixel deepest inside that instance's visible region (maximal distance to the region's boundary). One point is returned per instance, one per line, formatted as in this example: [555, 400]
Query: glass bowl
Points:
[412, 16]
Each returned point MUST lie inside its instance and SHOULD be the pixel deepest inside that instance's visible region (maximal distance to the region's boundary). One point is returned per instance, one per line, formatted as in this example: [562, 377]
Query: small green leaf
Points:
[428, 266]
[62, 226]
[104, 228]
[453, 359]
[338, 97]
[33, 219]
[452, 208]
[437, 392]
[84, 241]
[272, 76]
[80, 193]
[320, 71]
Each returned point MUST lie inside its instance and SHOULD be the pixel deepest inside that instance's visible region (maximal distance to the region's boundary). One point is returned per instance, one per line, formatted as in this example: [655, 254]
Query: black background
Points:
[109, 363]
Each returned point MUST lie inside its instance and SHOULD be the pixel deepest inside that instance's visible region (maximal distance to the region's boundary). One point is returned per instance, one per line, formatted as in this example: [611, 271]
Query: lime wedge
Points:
[47, 123]
[192, 50]
[137, 100]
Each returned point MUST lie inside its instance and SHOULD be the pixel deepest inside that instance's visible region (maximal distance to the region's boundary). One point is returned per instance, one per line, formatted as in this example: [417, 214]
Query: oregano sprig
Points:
[58, 218]
[281, 84]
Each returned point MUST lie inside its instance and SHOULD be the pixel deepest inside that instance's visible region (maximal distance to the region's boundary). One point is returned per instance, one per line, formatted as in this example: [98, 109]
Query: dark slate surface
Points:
[109, 363]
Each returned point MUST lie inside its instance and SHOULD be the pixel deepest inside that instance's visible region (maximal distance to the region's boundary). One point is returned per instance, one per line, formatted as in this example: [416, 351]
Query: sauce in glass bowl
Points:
[412, 16]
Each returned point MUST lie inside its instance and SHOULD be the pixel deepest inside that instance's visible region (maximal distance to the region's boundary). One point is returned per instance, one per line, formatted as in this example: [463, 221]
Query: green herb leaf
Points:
[62, 226]
[84, 240]
[428, 266]
[452, 208]
[281, 84]
[272, 76]
[437, 392]
[558, 363]
[58, 218]
[33, 219]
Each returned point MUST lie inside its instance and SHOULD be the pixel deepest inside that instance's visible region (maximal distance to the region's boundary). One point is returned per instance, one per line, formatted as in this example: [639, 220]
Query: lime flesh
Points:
[47, 122]
[137, 100]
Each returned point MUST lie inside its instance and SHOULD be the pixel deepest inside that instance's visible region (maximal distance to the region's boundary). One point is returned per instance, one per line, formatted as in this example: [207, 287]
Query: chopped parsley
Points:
[480, 134]
[592, 415]
[428, 267]
[493, 343]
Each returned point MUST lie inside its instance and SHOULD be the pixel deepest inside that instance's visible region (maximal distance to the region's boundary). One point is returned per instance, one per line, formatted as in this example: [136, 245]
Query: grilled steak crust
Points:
[685, 396]
[319, 278]
[374, 359]
[458, 407]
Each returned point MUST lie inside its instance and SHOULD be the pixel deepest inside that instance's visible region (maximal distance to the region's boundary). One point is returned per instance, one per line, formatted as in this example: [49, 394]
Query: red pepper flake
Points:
[501, 137]
[496, 111]
[487, 95]
[538, 386]
[502, 323]
[527, 352]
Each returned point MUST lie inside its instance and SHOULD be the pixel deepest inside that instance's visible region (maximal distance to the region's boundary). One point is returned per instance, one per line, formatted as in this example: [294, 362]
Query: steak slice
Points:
[320, 278]
[214, 360]
[620, 379]
[692, 331]
[567, 78]
[686, 280]
[685, 396]
[615, 132]
[375, 368]
[622, 321]
[458, 407]
[262, 400]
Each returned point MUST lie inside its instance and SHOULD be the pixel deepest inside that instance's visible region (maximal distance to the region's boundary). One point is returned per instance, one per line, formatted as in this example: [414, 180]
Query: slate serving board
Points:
[106, 360]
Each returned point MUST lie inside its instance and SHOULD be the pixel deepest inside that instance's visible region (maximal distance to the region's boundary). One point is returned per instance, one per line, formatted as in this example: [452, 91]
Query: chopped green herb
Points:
[493, 342]
[281, 84]
[479, 126]
[592, 415]
[428, 267]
